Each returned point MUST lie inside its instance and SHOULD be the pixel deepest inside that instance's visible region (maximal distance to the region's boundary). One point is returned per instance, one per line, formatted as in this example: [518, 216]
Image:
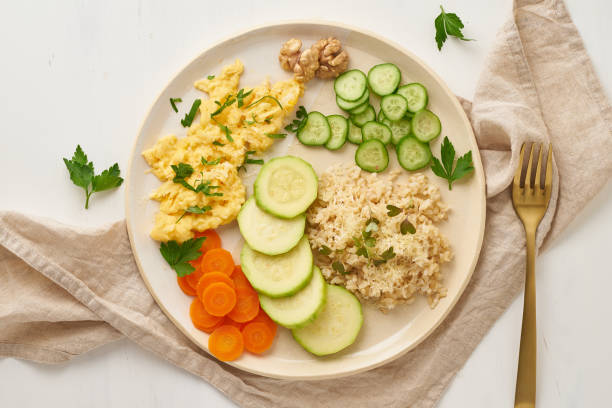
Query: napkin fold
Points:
[65, 291]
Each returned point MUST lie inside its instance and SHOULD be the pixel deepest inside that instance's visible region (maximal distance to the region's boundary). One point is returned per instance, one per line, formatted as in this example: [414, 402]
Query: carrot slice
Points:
[219, 298]
[230, 322]
[194, 277]
[247, 305]
[212, 240]
[212, 277]
[262, 317]
[185, 286]
[218, 260]
[200, 318]
[226, 343]
[257, 337]
[240, 280]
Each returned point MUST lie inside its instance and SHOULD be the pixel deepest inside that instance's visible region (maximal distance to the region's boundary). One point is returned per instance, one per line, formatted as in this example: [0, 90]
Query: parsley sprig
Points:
[445, 169]
[183, 171]
[448, 24]
[82, 174]
[178, 255]
[297, 124]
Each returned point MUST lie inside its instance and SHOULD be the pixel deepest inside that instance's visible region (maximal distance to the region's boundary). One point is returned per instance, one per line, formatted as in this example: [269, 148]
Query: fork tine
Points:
[537, 183]
[517, 174]
[548, 182]
[528, 183]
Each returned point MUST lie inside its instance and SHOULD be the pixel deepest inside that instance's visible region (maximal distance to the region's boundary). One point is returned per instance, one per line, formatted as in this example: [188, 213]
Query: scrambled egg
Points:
[248, 126]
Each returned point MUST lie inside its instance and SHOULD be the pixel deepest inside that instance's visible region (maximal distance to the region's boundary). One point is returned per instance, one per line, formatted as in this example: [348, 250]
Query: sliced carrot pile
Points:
[185, 286]
[201, 318]
[212, 240]
[217, 260]
[226, 343]
[194, 277]
[218, 298]
[212, 277]
[257, 337]
[247, 305]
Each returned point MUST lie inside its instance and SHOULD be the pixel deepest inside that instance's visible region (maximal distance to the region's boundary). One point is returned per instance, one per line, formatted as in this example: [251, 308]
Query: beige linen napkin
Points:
[65, 291]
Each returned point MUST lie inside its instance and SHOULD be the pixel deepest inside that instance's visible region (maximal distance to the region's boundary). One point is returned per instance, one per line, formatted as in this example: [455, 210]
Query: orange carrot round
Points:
[262, 317]
[219, 298]
[200, 318]
[226, 343]
[230, 322]
[194, 277]
[185, 286]
[247, 305]
[257, 337]
[240, 280]
[212, 277]
[217, 260]
[212, 240]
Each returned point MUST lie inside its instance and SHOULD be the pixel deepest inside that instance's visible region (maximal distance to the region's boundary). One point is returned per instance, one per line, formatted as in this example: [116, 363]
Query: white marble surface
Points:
[86, 71]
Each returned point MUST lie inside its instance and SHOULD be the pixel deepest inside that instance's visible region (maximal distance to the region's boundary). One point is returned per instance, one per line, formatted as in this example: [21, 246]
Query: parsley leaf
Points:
[173, 101]
[276, 135]
[210, 77]
[189, 117]
[82, 174]
[445, 170]
[183, 171]
[241, 95]
[407, 227]
[448, 23]
[392, 210]
[195, 210]
[297, 124]
[178, 255]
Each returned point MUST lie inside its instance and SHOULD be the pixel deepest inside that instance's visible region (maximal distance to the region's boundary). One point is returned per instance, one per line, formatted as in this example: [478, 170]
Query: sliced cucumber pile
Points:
[336, 327]
[399, 129]
[354, 133]
[301, 308]
[360, 119]
[394, 107]
[286, 186]
[347, 106]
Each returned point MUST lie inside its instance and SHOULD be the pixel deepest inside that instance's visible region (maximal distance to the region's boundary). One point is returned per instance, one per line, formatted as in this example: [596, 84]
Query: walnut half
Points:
[333, 60]
[324, 59]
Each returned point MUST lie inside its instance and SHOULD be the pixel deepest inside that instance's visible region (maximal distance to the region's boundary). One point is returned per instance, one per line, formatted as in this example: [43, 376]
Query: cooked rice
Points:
[349, 197]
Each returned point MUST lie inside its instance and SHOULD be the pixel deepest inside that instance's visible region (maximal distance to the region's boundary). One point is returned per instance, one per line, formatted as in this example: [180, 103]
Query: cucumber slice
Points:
[285, 187]
[351, 85]
[300, 309]
[413, 154]
[399, 129]
[347, 106]
[384, 79]
[416, 96]
[426, 125]
[394, 107]
[375, 130]
[354, 134]
[278, 275]
[339, 131]
[381, 116]
[362, 118]
[360, 109]
[372, 156]
[336, 327]
[266, 233]
[315, 131]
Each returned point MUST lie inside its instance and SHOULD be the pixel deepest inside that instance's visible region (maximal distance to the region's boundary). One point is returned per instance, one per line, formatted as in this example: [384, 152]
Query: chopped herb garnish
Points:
[183, 171]
[372, 225]
[268, 119]
[362, 252]
[195, 210]
[241, 95]
[189, 117]
[325, 250]
[248, 160]
[276, 135]
[338, 267]
[385, 256]
[210, 77]
[212, 162]
[251, 122]
[406, 227]
[297, 124]
[178, 255]
[392, 210]
[227, 132]
[217, 143]
[445, 170]
[254, 161]
[262, 98]
[228, 102]
[173, 101]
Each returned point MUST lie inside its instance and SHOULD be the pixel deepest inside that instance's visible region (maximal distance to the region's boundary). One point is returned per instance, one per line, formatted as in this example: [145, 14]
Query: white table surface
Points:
[86, 72]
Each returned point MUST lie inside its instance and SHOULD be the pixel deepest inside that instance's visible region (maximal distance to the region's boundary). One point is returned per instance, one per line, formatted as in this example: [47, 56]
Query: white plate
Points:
[383, 337]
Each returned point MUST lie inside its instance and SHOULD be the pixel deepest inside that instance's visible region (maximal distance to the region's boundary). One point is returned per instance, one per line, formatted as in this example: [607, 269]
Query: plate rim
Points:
[476, 159]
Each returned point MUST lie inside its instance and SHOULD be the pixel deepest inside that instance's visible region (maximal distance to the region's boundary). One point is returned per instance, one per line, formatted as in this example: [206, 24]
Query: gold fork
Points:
[530, 200]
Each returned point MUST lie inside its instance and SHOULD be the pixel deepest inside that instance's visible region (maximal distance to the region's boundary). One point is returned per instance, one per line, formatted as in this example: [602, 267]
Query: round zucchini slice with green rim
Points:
[266, 233]
[372, 156]
[394, 106]
[360, 109]
[416, 96]
[364, 117]
[337, 325]
[413, 154]
[426, 126]
[301, 308]
[376, 130]
[354, 133]
[339, 129]
[278, 275]
[316, 131]
[399, 129]
[351, 85]
[347, 106]
[384, 78]
[285, 186]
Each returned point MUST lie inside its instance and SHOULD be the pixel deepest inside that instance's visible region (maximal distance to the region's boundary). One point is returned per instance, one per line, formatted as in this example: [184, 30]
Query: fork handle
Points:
[524, 396]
